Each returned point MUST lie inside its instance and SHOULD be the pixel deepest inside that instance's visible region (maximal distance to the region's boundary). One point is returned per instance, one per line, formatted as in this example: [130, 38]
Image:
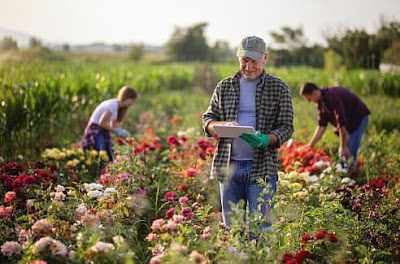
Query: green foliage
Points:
[189, 44]
[7, 43]
[332, 61]
[136, 52]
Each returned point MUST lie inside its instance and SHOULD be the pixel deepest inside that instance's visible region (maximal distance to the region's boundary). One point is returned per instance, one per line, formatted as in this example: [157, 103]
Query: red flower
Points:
[333, 238]
[191, 172]
[204, 144]
[169, 196]
[320, 234]
[305, 238]
[286, 257]
[30, 179]
[187, 213]
[172, 141]
[119, 141]
[201, 154]
[17, 183]
[183, 139]
[182, 187]
[303, 254]
[293, 261]
[169, 213]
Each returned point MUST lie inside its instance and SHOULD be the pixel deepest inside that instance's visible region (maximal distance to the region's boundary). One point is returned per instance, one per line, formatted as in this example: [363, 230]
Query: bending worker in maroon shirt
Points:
[344, 110]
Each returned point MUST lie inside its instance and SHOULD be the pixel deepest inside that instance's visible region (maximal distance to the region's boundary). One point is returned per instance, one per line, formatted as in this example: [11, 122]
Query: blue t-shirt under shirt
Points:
[246, 117]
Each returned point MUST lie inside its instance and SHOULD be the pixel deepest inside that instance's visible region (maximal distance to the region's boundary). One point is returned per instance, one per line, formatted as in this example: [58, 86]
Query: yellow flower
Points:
[61, 155]
[94, 153]
[80, 151]
[322, 196]
[88, 162]
[296, 186]
[301, 196]
[293, 176]
[82, 158]
[70, 163]
[284, 183]
[312, 188]
[281, 175]
[103, 155]
[69, 152]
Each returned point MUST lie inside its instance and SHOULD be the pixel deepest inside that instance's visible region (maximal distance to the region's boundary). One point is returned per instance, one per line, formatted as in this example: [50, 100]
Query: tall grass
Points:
[45, 104]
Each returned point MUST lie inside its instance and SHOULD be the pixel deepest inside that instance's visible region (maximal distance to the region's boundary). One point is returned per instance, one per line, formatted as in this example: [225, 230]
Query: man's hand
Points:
[344, 152]
[259, 140]
[121, 132]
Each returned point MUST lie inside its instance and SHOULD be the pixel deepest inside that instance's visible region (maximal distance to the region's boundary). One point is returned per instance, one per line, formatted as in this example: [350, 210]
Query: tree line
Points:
[352, 48]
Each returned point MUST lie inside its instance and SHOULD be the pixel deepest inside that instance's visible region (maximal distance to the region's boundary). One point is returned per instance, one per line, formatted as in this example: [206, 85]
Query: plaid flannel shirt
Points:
[89, 139]
[274, 114]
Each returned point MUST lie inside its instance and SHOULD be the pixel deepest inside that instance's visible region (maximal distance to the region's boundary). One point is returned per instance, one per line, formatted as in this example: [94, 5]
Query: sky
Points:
[152, 22]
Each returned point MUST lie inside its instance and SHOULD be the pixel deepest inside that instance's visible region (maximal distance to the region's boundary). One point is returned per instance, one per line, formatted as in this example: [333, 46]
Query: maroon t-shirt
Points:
[341, 107]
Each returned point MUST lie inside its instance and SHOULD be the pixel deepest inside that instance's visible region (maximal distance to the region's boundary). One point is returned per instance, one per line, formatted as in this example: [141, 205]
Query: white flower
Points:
[313, 178]
[59, 196]
[95, 194]
[340, 169]
[322, 163]
[110, 191]
[102, 247]
[81, 209]
[92, 186]
[59, 188]
[348, 181]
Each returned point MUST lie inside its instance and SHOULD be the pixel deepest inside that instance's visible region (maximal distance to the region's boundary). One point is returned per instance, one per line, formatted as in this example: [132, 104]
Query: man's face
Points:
[312, 98]
[251, 69]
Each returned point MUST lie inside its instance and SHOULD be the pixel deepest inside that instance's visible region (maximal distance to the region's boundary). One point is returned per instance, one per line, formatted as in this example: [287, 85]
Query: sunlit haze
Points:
[153, 22]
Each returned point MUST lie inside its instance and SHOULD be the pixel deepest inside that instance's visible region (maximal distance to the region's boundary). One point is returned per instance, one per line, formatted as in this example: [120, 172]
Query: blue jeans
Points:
[354, 141]
[101, 144]
[241, 187]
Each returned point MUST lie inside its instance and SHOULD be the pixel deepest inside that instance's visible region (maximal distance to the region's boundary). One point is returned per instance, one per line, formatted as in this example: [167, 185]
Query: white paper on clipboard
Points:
[232, 131]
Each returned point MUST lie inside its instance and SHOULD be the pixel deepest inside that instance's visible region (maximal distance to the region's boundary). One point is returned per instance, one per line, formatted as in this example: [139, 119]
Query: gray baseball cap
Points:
[253, 47]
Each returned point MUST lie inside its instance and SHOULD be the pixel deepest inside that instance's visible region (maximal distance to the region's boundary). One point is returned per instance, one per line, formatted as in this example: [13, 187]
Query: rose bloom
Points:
[171, 225]
[102, 247]
[305, 238]
[10, 248]
[190, 172]
[303, 254]
[157, 224]
[287, 256]
[184, 200]
[333, 238]
[177, 218]
[187, 213]
[38, 262]
[10, 196]
[182, 187]
[320, 234]
[42, 227]
[169, 196]
[151, 237]
[169, 213]
[5, 212]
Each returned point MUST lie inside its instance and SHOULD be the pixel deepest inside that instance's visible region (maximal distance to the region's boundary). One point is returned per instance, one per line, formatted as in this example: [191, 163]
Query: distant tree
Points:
[188, 44]
[136, 51]
[289, 38]
[293, 50]
[7, 43]
[221, 51]
[117, 47]
[392, 54]
[34, 42]
[385, 37]
[66, 47]
[356, 49]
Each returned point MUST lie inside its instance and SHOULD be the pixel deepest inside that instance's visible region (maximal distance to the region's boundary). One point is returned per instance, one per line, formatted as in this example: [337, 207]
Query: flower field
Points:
[156, 204]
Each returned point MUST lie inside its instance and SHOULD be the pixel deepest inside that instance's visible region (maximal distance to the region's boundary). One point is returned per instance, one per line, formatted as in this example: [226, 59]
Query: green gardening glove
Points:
[259, 140]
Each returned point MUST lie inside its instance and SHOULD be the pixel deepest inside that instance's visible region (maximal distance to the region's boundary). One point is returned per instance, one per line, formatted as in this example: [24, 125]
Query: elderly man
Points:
[251, 97]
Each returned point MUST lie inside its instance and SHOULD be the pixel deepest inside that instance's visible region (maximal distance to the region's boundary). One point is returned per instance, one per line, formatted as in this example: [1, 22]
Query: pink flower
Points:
[191, 172]
[5, 212]
[184, 200]
[151, 237]
[169, 196]
[157, 224]
[10, 248]
[10, 196]
[177, 218]
[196, 257]
[171, 225]
[38, 262]
[156, 260]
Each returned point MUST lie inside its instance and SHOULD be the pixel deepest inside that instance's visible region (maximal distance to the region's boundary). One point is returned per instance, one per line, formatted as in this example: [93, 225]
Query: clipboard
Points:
[232, 131]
